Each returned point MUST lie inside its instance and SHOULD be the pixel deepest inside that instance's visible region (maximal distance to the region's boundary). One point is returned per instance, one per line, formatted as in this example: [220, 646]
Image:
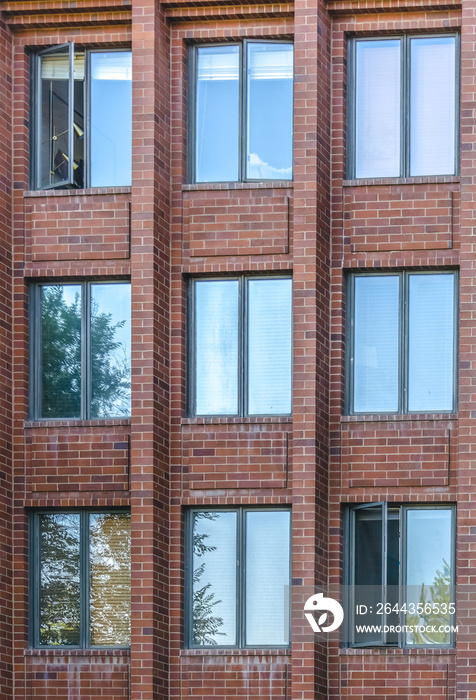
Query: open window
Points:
[400, 575]
[82, 109]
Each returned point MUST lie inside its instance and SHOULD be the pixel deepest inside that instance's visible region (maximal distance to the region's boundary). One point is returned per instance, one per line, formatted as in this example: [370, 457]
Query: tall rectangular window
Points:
[241, 343]
[80, 350]
[81, 578]
[241, 112]
[239, 561]
[82, 113]
[401, 347]
[390, 80]
[400, 573]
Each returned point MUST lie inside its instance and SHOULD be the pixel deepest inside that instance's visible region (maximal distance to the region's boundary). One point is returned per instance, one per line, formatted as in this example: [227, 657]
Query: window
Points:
[402, 335]
[241, 112]
[80, 350]
[241, 342]
[400, 569]
[83, 118]
[81, 578]
[239, 561]
[403, 106]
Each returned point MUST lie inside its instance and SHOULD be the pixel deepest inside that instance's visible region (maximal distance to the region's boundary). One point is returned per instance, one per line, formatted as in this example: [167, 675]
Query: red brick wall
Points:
[65, 226]
[396, 453]
[237, 675]
[252, 222]
[77, 458]
[401, 217]
[391, 675]
[93, 675]
[235, 456]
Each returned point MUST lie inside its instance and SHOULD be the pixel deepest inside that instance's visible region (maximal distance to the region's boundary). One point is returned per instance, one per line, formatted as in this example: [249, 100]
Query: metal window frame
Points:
[35, 100]
[403, 339]
[84, 577]
[242, 369]
[405, 97]
[349, 567]
[242, 107]
[240, 610]
[35, 331]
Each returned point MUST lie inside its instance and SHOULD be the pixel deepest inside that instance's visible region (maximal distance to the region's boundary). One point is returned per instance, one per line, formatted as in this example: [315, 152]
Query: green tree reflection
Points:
[206, 625]
[61, 350]
[59, 579]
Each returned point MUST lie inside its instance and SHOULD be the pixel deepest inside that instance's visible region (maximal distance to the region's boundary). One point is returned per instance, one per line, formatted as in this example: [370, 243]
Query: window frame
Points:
[192, 64]
[240, 609]
[405, 80]
[84, 574]
[403, 340]
[35, 346]
[35, 107]
[349, 561]
[242, 369]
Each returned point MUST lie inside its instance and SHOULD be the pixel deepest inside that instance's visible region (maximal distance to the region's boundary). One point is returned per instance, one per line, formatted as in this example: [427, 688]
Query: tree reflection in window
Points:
[206, 624]
[59, 579]
[75, 383]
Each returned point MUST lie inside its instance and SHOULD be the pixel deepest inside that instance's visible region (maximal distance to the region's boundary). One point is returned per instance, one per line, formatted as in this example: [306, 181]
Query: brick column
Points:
[6, 480]
[150, 328]
[311, 332]
[466, 533]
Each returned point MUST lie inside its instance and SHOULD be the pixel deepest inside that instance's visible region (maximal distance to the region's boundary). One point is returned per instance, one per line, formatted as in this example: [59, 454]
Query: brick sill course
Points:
[268, 185]
[236, 652]
[397, 651]
[91, 191]
[64, 651]
[235, 420]
[75, 423]
[427, 180]
[398, 417]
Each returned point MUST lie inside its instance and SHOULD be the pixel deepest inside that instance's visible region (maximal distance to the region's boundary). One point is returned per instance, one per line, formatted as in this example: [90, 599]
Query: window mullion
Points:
[87, 119]
[86, 350]
[405, 106]
[404, 343]
[243, 106]
[240, 587]
[243, 341]
[84, 641]
[384, 563]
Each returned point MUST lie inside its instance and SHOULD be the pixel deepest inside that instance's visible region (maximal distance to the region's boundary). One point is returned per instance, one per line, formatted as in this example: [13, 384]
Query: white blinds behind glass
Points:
[432, 106]
[377, 109]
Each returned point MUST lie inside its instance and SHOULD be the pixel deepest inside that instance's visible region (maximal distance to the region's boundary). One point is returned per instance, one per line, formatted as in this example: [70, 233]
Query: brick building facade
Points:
[162, 233]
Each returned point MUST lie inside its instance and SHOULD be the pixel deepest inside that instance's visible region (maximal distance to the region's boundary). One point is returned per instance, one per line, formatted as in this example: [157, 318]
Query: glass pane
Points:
[431, 342]
[267, 578]
[432, 106]
[78, 121]
[54, 99]
[376, 348]
[217, 115]
[59, 599]
[214, 579]
[377, 108]
[111, 118]
[269, 117]
[270, 346]
[54, 120]
[110, 578]
[216, 347]
[60, 351]
[367, 571]
[111, 349]
[429, 573]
